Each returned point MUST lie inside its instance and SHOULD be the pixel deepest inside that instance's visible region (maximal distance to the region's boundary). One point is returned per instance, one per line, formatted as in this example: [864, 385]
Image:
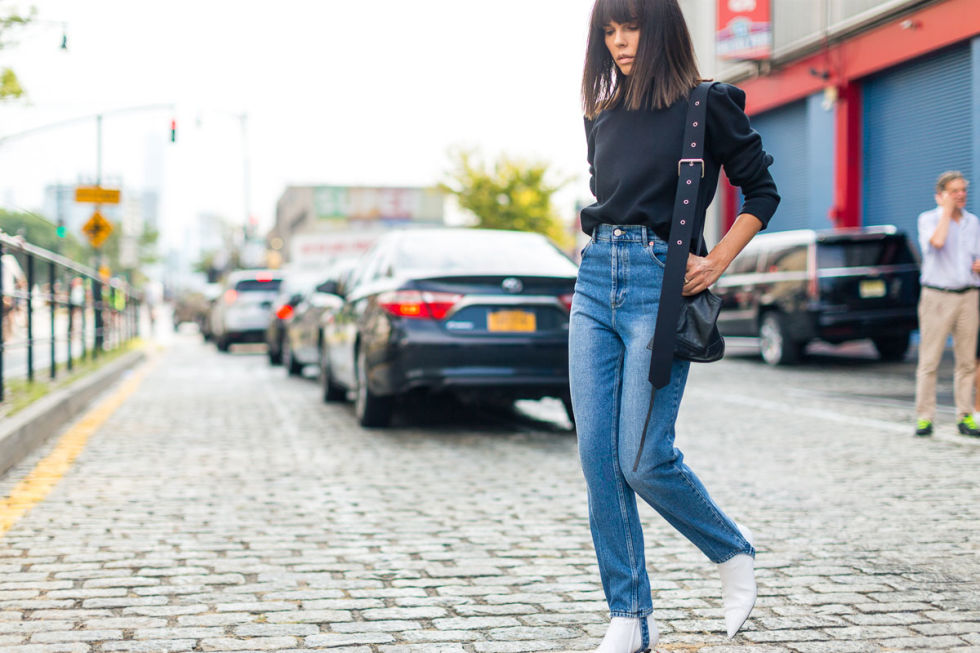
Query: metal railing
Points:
[86, 314]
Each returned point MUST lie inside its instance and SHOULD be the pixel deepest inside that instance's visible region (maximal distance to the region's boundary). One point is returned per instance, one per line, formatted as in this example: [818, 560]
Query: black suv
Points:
[791, 287]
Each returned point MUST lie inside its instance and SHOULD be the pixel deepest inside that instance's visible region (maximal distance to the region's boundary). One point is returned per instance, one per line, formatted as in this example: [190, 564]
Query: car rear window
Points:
[480, 252]
[255, 285]
[864, 253]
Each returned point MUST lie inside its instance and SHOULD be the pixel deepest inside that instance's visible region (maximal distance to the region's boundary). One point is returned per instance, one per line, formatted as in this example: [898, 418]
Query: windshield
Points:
[864, 253]
[253, 285]
[482, 252]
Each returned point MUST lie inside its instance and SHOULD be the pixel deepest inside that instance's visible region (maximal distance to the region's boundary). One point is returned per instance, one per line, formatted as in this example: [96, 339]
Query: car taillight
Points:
[231, 295]
[416, 304]
[285, 312]
[566, 301]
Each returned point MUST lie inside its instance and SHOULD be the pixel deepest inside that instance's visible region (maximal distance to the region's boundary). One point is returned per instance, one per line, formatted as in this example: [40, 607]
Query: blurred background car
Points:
[243, 311]
[792, 287]
[296, 284]
[473, 311]
[303, 331]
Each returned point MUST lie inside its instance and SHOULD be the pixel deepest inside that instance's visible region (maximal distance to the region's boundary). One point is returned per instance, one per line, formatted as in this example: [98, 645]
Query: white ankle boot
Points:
[738, 590]
[625, 635]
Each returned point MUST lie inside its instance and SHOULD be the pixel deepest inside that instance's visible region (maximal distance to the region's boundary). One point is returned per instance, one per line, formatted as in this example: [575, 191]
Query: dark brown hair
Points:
[664, 70]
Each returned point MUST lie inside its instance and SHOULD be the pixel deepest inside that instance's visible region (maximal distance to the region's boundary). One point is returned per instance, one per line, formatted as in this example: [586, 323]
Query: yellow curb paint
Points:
[38, 484]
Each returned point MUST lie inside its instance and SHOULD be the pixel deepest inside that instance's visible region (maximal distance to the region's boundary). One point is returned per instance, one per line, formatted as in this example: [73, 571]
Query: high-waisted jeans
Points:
[613, 315]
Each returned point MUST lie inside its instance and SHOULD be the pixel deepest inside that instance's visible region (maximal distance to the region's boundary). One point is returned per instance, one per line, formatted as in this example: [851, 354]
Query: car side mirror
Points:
[329, 288]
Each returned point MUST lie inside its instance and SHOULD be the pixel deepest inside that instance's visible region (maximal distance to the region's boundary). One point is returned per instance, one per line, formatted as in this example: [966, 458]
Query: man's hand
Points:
[947, 201]
[701, 273]
[976, 266]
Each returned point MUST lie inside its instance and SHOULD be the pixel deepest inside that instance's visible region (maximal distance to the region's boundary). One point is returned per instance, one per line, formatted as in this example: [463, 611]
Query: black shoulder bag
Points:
[686, 326]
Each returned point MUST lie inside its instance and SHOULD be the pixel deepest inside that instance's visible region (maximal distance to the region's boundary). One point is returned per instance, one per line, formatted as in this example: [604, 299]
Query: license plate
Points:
[872, 288]
[511, 321]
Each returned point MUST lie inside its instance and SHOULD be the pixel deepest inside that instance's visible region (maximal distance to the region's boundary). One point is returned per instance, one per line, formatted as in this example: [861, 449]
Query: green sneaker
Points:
[923, 427]
[968, 426]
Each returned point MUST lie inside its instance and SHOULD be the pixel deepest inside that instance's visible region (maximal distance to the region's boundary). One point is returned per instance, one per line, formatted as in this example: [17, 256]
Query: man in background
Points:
[949, 237]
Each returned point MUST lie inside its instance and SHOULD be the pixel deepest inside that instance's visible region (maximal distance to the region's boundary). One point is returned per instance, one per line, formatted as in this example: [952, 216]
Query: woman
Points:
[639, 71]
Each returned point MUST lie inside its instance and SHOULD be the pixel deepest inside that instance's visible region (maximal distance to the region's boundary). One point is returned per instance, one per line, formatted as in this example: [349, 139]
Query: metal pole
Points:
[54, 304]
[71, 318]
[97, 307]
[81, 314]
[98, 162]
[30, 318]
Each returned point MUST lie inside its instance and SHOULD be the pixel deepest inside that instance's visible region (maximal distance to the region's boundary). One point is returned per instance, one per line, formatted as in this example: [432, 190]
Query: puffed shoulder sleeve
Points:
[590, 140]
[738, 147]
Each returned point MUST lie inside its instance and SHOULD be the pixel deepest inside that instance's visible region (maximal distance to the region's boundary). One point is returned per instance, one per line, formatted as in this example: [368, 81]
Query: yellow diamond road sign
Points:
[97, 229]
[96, 195]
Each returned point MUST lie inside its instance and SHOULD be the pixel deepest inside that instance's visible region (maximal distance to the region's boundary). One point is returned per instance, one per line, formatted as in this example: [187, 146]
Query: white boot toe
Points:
[738, 588]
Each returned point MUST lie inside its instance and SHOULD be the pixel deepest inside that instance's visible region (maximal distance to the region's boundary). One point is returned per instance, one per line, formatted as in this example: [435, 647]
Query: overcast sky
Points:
[336, 92]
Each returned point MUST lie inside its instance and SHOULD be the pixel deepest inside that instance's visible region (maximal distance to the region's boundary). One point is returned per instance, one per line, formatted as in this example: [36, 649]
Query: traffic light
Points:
[61, 229]
[173, 130]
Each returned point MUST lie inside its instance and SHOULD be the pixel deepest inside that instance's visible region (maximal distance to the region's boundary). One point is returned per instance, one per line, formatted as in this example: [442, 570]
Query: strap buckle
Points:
[690, 162]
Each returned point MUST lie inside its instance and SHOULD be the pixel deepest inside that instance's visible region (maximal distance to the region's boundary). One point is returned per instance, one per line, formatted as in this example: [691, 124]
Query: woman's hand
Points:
[701, 273]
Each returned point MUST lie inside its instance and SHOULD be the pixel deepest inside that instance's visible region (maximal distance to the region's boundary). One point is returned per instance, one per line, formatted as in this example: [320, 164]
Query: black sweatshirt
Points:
[633, 162]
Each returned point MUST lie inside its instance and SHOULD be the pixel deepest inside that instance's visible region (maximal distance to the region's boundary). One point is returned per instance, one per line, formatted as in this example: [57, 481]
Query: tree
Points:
[41, 233]
[513, 194]
[9, 84]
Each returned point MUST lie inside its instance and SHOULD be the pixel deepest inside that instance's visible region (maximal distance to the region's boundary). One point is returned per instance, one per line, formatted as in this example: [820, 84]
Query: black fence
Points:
[55, 312]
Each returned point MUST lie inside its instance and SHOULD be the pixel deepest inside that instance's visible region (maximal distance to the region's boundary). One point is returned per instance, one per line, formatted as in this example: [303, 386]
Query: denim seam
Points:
[631, 615]
[620, 489]
[653, 254]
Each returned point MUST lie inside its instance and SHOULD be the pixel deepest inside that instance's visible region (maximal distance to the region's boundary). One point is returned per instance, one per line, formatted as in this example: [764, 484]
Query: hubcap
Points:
[771, 341]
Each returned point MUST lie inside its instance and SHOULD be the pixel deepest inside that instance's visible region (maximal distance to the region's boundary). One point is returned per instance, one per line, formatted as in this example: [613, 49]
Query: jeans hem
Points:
[646, 612]
[750, 552]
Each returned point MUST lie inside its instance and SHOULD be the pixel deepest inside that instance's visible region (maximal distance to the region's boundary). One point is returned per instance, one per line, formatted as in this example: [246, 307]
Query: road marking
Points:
[831, 416]
[45, 476]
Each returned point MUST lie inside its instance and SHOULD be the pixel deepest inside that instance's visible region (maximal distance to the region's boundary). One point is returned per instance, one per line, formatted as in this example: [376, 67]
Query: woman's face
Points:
[622, 39]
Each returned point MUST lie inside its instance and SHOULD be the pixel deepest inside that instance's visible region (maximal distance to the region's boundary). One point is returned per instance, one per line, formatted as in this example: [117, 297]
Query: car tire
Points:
[372, 410]
[566, 400]
[892, 348]
[293, 368]
[776, 344]
[222, 343]
[331, 391]
[275, 355]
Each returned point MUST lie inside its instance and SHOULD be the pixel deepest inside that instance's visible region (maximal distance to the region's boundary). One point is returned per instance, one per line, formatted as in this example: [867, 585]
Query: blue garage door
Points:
[784, 133]
[917, 124]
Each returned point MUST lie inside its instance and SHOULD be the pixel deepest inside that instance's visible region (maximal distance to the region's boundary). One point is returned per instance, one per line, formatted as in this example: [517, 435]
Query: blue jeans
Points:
[613, 314]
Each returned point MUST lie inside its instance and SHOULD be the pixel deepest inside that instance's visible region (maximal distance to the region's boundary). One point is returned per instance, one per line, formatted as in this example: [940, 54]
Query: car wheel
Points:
[371, 410]
[331, 391]
[293, 368]
[566, 399]
[892, 348]
[275, 355]
[222, 343]
[775, 343]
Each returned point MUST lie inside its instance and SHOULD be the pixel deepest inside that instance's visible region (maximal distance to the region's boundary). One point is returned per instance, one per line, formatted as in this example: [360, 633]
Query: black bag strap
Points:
[690, 171]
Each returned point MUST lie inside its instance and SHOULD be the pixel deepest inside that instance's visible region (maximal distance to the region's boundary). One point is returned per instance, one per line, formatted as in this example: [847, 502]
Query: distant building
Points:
[862, 103]
[320, 223]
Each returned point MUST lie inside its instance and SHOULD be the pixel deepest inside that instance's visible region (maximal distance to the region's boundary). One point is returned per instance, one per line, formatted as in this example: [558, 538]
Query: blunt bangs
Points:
[620, 11]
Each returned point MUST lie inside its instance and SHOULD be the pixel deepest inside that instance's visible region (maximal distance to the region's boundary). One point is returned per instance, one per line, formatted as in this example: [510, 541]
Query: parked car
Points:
[296, 284]
[792, 287]
[243, 311]
[303, 338]
[466, 310]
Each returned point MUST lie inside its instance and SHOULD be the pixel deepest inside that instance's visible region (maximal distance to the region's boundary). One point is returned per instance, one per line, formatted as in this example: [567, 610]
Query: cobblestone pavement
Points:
[223, 507]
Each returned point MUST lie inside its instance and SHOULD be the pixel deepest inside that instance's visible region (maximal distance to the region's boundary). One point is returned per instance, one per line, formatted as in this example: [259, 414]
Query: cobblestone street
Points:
[224, 507]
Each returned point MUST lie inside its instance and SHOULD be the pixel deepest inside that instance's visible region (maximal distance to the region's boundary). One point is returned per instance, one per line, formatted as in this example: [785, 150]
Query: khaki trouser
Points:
[942, 313]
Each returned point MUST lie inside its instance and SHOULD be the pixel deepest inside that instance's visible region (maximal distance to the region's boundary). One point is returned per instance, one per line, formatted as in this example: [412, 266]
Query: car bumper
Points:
[525, 369]
[854, 325]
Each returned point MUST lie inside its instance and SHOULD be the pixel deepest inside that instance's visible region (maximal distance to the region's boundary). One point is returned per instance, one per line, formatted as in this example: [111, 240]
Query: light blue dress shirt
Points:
[951, 265]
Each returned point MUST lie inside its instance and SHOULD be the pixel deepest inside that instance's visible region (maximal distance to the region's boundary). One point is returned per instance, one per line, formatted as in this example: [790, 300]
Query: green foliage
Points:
[38, 231]
[10, 87]
[512, 194]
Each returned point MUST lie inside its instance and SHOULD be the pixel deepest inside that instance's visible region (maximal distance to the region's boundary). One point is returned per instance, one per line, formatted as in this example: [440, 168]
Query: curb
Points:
[25, 431]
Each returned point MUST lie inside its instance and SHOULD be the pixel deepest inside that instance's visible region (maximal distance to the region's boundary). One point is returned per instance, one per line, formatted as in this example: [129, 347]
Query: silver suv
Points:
[243, 310]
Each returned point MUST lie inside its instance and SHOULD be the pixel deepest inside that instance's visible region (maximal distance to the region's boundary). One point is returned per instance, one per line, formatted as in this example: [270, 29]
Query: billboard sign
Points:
[378, 204]
[744, 29]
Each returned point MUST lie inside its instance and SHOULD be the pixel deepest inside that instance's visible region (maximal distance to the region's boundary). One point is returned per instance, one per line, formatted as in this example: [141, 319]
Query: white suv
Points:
[243, 310]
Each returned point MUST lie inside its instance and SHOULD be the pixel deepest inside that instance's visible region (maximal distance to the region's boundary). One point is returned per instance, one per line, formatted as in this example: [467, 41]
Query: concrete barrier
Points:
[31, 427]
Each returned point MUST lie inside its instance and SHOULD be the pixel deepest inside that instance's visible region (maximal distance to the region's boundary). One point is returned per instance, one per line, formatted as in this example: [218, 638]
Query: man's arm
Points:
[946, 205]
